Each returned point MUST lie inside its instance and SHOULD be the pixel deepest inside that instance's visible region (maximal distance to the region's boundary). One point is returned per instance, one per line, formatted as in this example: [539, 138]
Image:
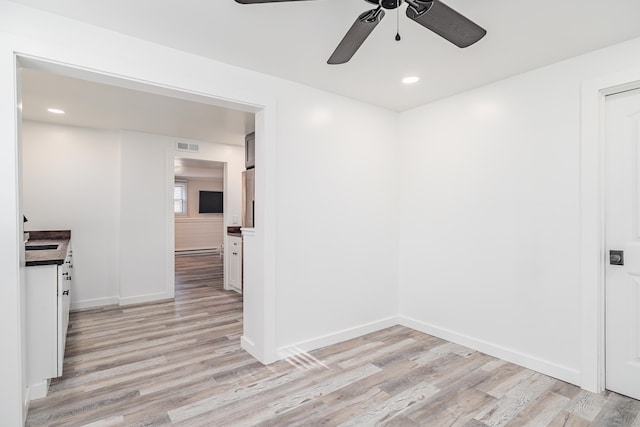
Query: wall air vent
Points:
[183, 146]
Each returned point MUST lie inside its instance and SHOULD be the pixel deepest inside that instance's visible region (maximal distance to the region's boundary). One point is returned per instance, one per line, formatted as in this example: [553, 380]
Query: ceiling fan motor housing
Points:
[390, 4]
[387, 4]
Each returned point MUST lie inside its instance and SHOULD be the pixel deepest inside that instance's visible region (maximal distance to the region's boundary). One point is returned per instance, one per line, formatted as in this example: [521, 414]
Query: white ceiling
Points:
[293, 40]
[102, 106]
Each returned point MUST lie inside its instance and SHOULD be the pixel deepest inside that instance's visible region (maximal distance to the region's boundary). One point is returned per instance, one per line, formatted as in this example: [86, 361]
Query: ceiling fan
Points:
[431, 14]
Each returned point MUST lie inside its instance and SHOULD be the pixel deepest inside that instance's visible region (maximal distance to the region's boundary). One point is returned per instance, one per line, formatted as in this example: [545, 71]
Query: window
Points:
[180, 198]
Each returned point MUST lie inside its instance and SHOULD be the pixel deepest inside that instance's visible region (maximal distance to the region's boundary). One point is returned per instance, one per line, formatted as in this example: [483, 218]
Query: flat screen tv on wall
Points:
[210, 202]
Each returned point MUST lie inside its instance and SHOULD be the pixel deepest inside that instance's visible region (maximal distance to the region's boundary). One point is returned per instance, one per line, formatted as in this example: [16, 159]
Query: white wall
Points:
[489, 190]
[146, 241]
[111, 189]
[198, 234]
[145, 268]
[488, 198]
[336, 226]
[71, 181]
[356, 145]
[12, 366]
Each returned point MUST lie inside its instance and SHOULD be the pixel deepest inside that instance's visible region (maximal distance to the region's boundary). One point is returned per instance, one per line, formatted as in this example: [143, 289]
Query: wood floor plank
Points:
[566, 419]
[394, 405]
[619, 411]
[587, 405]
[541, 412]
[179, 363]
[517, 400]
[446, 404]
[341, 408]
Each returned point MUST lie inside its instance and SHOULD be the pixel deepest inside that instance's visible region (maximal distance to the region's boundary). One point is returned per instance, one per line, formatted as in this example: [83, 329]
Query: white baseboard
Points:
[145, 298]
[250, 347]
[37, 391]
[100, 302]
[543, 366]
[25, 404]
[336, 337]
[259, 353]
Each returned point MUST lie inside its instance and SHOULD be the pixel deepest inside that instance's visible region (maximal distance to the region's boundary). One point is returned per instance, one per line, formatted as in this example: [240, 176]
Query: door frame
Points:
[592, 222]
[225, 190]
[259, 316]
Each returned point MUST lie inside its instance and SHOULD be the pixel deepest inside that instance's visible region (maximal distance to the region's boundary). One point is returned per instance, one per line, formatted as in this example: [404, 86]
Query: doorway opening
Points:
[260, 342]
[198, 205]
[205, 224]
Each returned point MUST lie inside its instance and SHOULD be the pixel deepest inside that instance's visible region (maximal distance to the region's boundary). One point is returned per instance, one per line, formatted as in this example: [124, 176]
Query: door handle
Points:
[616, 257]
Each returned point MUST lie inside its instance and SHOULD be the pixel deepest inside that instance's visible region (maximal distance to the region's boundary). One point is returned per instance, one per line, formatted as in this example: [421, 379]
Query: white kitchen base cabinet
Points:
[47, 317]
[235, 263]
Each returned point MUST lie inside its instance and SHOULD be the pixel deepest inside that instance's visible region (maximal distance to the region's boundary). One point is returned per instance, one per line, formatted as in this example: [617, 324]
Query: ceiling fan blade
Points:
[356, 35]
[444, 21]
[262, 1]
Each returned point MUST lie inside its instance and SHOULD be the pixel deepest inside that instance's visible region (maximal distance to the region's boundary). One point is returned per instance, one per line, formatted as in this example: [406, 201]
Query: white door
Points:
[622, 212]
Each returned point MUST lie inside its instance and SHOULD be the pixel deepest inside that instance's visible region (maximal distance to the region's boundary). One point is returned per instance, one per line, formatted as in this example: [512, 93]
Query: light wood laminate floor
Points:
[180, 363]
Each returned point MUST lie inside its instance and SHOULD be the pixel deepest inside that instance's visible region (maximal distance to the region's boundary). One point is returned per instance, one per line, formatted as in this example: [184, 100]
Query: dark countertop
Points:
[47, 256]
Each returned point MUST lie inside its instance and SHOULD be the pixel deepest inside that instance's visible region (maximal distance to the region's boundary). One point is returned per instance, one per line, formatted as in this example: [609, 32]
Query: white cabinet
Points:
[65, 275]
[235, 263]
[47, 304]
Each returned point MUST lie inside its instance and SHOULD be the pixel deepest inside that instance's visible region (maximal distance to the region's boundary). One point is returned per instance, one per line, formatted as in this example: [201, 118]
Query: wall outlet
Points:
[236, 219]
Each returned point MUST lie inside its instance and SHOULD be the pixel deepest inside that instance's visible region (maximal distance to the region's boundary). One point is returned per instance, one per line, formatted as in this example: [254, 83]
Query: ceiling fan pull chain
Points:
[398, 38]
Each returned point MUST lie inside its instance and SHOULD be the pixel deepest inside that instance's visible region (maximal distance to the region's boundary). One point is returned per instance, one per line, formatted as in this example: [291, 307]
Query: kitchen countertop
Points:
[47, 256]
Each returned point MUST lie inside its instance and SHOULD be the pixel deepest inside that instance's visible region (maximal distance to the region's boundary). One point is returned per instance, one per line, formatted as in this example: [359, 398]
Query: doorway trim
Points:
[592, 222]
[262, 321]
[171, 229]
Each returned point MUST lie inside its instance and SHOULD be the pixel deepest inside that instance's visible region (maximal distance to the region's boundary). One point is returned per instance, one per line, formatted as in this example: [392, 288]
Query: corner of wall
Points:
[335, 338]
[554, 370]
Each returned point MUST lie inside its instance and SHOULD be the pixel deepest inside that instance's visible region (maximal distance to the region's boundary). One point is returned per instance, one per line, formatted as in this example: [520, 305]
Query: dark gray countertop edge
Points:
[51, 256]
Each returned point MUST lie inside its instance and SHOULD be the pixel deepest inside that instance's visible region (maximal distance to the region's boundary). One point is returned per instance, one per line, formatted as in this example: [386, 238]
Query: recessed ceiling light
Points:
[410, 80]
[55, 110]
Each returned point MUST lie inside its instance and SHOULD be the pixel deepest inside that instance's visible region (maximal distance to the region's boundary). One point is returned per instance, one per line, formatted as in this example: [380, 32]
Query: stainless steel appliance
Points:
[250, 151]
[248, 198]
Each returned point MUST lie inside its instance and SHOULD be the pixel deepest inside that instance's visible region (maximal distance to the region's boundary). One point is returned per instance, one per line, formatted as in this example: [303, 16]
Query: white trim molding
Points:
[99, 302]
[592, 250]
[263, 319]
[137, 299]
[37, 391]
[336, 337]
